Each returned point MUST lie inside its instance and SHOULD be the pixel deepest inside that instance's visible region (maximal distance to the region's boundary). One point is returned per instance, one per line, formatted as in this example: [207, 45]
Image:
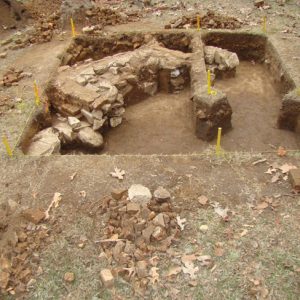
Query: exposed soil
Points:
[254, 253]
[163, 123]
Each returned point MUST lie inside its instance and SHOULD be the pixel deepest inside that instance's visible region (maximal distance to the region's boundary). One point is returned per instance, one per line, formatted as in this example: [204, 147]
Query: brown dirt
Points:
[163, 123]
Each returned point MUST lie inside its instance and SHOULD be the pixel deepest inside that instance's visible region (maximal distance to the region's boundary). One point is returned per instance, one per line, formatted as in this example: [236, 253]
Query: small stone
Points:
[159, 233]
[159, 220]
[33, 215]
[115, 121]
[147, 233]
[107, 278]
[74, 122]
[98, 124]
[88, 116]
[161, 194]
[97, 114]
[294, 176]
[203, 228]
[69, 277]
[100, 69]
[141, 269]
[133, 207]
[117, 194]
[139, 194]
[90, 138]
[92, 87]
[175, 73]
[88, 71]
[81, 80]
[259, 3]
[3, 54]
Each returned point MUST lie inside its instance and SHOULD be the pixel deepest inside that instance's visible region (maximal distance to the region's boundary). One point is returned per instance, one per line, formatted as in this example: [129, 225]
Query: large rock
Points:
[88, 137]
[139, 194]
[65, 131]
[46, 142]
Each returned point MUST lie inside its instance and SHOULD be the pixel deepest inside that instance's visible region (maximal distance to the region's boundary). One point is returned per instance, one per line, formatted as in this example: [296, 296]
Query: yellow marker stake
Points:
[298, 92]
[36, 94]
[198, 23]
[264, 24]
[7, 146]
[208, 83]
[218, 146]
[73, 28]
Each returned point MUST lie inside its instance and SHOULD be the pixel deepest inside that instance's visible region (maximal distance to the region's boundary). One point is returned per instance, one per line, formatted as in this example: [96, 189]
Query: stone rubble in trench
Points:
[92, 95]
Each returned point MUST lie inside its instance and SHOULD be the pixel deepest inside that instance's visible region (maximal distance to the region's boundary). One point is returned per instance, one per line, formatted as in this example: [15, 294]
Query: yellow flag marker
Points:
[36, 94]
[73, 28]
[264, 24]
[198, 23]
[7, 146]
[218, 146]
[208, 83]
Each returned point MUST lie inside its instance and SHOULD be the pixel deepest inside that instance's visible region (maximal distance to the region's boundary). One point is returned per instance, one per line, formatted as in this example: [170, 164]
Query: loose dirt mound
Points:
[209, 20]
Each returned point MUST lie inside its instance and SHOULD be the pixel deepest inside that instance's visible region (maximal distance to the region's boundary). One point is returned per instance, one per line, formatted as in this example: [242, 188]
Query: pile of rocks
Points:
[208, 20]
[21, 238]
[13, 76]
[138, 225]
[221, 62]
[92, 95]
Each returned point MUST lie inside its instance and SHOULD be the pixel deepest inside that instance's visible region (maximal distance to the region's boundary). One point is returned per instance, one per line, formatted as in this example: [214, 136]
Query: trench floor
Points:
[163, 124]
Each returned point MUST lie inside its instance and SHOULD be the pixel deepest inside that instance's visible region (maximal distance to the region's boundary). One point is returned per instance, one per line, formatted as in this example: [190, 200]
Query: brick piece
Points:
[294, 176]
[107, 278]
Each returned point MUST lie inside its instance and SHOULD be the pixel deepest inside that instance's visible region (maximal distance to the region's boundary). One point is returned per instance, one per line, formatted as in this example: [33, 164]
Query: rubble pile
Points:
[221, 62]
[91, 96]
[21, 238]
[98, 17]
[13, 76]
[209, 20]
[138, 225]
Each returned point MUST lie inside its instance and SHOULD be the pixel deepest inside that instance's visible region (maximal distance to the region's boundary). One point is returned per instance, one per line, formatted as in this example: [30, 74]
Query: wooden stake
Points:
[36, 94]
[73, 28]
[7, 146]
[218, 146]
[208, 83]
[198, 23]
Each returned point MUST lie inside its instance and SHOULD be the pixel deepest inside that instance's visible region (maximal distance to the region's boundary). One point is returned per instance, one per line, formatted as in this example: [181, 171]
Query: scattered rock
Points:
[117, 194]
[203, 228]
[139, 194]
[259, 3]
[33, 215]
[74, 122]
[115, 121]
[141, 269]
[3, 54]
[107, 278]
[69, 277]
[46, 142]
[161, 195]
[90, 138]
[294, 176]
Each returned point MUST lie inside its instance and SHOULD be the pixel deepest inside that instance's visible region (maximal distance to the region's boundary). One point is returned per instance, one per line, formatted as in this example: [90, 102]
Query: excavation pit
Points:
[165, 111]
